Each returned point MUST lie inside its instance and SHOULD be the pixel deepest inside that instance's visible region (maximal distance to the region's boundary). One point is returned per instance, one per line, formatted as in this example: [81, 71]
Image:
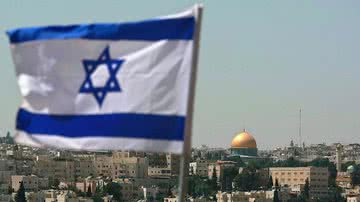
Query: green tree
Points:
[20, 195]
[214, 174]
[335, 194]
[56, 183]
[169, 192]
[80, 193]
[301, 198]
[270, 183]
[238, 183]
[228, 177]
[114, 189]
[76, 190]
[89, 193]
[201, 187]
[355, 178]
[150, 198]
[98, 195]
[332, 174]
[276, 191]
[192, 181]
[276, 196]
[247, 180]
[97, 198]
[290, 162]
[10, 190]
[306, 191]
[355, 175]
[277, 186]
[213, 182]
[253, 165]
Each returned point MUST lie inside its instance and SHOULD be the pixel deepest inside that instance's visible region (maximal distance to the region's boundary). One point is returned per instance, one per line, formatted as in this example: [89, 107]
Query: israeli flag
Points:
[105, 86]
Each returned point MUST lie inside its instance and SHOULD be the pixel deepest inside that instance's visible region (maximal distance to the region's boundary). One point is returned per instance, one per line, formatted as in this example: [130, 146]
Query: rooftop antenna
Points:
[300, 138]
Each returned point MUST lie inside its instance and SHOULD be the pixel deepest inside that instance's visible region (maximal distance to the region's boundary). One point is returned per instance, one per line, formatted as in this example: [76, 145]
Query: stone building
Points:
[219, 168]
[170, 168]
[199, 167]
[258, 196]
[31, 182]
[295, 178]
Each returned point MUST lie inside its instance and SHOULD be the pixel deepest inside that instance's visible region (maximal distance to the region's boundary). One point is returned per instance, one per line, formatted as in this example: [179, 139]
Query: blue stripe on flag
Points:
[164, 127]
[150, 30]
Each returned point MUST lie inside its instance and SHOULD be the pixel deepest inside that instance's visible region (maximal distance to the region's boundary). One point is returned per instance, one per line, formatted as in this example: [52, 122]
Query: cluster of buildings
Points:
[263, 196]
[51, 175]
[244, 146]
[349, 152]
[292, 180]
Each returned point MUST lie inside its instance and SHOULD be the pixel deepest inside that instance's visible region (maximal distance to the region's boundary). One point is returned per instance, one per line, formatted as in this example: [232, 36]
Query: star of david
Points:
[100, 76]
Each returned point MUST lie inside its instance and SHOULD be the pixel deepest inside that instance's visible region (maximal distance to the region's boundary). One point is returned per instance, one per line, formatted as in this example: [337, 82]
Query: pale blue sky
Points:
[260, 61]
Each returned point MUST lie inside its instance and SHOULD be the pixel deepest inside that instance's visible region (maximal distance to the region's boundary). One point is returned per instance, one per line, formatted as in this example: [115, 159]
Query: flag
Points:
[115, 86]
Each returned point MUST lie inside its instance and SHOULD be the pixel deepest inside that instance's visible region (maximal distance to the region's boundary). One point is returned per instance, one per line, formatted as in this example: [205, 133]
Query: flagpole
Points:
[184, 160]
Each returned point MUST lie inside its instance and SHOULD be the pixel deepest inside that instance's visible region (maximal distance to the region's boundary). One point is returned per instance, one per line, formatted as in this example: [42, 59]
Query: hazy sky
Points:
[260, 61]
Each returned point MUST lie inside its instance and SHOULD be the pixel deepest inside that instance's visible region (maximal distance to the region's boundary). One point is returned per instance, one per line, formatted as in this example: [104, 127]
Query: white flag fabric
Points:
[105, 86]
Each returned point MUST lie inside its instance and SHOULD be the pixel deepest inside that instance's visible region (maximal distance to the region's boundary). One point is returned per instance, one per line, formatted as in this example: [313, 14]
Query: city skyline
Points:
[259, 64]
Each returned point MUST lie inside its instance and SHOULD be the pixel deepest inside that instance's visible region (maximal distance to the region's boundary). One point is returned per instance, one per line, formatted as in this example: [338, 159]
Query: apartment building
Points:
[219, 168]
[31, 182]
[258, 196]
[295, 178]
[199, 167]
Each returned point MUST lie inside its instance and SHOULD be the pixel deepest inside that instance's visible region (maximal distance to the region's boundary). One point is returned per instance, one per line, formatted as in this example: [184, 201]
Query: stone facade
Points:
[295, 178]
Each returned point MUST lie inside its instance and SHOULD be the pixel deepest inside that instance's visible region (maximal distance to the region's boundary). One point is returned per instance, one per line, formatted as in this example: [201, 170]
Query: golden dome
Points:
[243, 140]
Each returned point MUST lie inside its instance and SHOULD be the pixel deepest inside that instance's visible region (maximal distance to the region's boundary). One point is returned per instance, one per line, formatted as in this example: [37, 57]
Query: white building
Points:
[121, 164]
[258, 196]
[355, 198]
[199, 167]
[31, 183]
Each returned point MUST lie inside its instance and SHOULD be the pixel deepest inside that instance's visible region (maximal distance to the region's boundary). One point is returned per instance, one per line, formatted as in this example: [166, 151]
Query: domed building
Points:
[244, 145]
